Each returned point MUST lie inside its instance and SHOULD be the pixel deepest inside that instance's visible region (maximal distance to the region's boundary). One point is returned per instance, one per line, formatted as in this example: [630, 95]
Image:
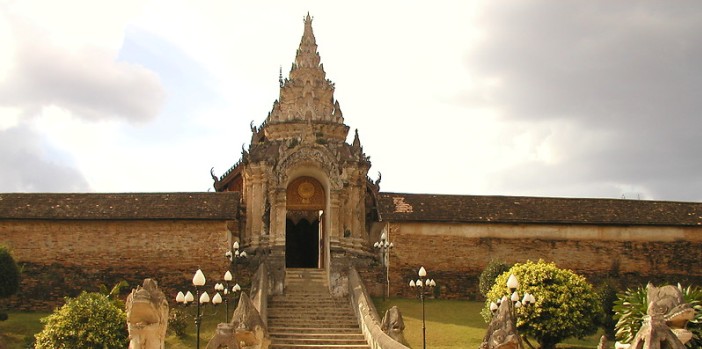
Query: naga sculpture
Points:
[502, 331]
[147, 316]
[667, 316]
[393, 325]
[246, 330]
[225, 336]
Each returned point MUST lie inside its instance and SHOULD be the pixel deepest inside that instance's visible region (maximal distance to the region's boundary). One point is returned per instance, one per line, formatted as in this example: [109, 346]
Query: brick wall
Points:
[455, 254]
[62, 258]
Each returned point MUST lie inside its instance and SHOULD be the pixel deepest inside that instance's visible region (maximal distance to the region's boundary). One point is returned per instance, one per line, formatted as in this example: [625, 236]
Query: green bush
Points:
[90, 320]
[566, 304]
[607, 293]
[178, 322]
[113, 294]
[631, 307]
[9, 273]
[490, 273]
[9, 276]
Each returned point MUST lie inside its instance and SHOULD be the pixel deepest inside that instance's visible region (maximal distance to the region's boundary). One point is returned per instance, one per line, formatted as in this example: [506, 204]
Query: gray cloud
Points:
[88, 82]
[625, 75]
[27, 165]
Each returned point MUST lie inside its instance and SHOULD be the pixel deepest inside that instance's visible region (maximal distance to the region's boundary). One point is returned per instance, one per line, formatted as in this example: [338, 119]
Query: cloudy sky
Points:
[538, 98]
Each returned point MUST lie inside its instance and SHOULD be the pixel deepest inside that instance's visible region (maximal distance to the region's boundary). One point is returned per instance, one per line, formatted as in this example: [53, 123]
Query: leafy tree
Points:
[566, 304]
[113, 294]
[487, 278]
[9, 273]
[607, 293]
[90, 320]
[178, 321]
[631, 307]
[9, 276]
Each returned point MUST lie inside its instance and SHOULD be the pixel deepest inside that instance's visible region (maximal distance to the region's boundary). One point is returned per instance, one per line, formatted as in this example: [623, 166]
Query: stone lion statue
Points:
[664, 326]
[147, 316]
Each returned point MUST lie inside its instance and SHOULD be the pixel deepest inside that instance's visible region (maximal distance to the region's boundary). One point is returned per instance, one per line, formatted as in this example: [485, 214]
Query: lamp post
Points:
[235, 255]
[200, 299]
[423, 286]
[384, 247]
[526, 300]
[224, 288]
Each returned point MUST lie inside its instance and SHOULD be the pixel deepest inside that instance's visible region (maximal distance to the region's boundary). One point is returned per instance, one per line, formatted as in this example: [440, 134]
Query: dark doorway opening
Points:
[301, 243]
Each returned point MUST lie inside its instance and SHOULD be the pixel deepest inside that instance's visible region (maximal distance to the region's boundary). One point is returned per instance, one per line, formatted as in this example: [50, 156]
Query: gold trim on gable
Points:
[305, 193]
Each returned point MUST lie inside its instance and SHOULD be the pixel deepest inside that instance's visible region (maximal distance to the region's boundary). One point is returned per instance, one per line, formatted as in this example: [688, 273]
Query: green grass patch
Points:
[449, 324]
[207, 329]
[453, 324]
[19, 329]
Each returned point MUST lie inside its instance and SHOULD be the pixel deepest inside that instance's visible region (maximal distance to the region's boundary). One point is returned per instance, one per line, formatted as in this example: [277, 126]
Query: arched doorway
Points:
[304, 232]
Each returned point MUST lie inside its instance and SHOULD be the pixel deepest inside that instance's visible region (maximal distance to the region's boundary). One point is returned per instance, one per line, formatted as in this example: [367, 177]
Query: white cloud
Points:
[539, 98]
[88, 81]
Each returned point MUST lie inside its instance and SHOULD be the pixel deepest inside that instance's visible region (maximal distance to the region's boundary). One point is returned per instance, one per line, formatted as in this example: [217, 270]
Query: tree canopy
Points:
[566, 304]
[90, 320]
[9, 273]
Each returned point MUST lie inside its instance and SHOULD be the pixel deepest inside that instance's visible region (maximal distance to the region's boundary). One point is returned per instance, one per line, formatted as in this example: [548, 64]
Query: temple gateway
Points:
[300, 199]
[308, 197]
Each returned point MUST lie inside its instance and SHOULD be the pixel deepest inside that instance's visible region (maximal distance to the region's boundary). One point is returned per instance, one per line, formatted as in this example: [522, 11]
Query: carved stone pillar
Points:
[256, 206]
[278, 216]
[335, 218]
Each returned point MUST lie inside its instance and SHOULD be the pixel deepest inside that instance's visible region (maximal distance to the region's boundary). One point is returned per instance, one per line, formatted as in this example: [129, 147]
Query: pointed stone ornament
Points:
[306, 96]
[250, 328]
[502, 330]
[247, 328]
[393, 325]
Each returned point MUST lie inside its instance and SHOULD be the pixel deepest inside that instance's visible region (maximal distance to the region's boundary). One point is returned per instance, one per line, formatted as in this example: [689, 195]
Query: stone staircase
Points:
[308, 317]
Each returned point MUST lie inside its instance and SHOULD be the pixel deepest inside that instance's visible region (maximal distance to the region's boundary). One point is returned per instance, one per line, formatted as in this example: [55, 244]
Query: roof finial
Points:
[280, 76]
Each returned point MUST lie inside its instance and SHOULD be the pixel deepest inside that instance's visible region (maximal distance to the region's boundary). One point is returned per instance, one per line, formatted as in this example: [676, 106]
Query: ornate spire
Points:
[307, 55]
[306, 95]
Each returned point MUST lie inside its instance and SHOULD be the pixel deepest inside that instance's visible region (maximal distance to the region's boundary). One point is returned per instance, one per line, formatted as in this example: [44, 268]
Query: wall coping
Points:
[367, 315]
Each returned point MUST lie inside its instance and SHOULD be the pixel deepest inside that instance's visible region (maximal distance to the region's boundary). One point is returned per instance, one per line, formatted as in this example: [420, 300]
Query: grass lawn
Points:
[449, 324]
[19, 329]
[452, 324]
[207, 330]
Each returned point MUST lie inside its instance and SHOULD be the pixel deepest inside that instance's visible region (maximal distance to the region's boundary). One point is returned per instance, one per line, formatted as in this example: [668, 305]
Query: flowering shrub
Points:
[566, 304]
[90, 320]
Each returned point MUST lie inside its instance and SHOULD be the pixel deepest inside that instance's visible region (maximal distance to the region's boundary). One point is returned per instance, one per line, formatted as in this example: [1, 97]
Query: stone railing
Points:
[259, 290]
[367, 315]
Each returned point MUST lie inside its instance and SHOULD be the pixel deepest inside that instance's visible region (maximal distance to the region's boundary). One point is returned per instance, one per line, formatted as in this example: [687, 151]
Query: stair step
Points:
[358, 339]
[311, 329]
[325, 343]
[331, 346]
[307, 322]
[297, 315]
[301, 311]
[307, 316]
[319, 334]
